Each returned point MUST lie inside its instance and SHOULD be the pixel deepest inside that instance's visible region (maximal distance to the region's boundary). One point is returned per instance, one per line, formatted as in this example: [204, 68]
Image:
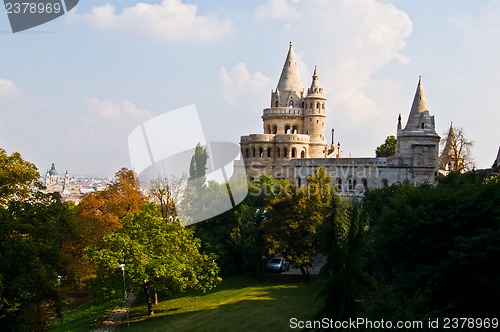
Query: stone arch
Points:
[294, 152]
[303, 153]
[275, 129]
[287, 129]
[295, 130]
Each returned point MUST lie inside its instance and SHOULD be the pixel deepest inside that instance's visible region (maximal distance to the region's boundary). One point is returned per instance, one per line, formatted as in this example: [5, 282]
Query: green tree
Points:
[32, 226]
[101, 213]
[388, 148]
[158, 255]
[440, 244]
[198, 166]
[342, 239]
[293, 215]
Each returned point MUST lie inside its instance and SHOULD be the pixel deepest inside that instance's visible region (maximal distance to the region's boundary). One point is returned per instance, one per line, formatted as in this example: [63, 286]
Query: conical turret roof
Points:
[315, 90]
[290, 77]
[418, 107]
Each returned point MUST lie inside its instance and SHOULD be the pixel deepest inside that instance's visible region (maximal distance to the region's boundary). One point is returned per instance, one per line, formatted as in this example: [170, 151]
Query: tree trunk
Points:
[149, 303]
[305, 271]
[155, 296]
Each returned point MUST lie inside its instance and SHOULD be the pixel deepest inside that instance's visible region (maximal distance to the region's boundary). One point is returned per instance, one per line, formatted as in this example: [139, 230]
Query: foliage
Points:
[198, 166]
[440, 245]
[157, 254]
[101, 213]
[342, 239]
[388, 148]
[293, 215]
[32, 225]
[165, 192]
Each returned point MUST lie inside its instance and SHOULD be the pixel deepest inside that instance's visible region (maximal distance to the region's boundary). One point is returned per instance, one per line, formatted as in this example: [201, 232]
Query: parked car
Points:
[278, 264]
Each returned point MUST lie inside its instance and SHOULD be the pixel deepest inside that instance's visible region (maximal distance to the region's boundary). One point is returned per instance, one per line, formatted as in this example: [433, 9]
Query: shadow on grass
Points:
[238, 303]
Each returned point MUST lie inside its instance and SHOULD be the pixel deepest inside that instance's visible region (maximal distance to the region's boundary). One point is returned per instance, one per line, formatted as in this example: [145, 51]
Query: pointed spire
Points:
[315, 88]
[419, 117]
[290, 77]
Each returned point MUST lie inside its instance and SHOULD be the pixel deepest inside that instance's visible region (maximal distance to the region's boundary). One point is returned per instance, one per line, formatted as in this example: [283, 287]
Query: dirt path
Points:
[117, 316]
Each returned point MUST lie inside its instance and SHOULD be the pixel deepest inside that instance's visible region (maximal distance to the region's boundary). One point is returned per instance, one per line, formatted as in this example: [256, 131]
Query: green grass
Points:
[236, 304]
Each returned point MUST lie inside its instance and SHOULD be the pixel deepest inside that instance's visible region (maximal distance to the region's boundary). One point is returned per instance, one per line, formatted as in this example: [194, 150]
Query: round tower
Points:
[314, 118]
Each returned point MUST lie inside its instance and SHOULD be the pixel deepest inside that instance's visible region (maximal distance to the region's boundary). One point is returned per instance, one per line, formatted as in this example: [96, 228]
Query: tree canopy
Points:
[388, 148]
[157, 253]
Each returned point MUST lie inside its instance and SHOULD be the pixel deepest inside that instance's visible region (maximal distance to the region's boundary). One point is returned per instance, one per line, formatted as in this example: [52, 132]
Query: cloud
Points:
[8, 88]
[238, 82]
[102, 109]
[169, 21]
[278, 9]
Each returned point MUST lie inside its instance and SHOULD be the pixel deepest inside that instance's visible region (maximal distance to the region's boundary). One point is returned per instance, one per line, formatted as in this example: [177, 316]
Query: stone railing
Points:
[283, 111]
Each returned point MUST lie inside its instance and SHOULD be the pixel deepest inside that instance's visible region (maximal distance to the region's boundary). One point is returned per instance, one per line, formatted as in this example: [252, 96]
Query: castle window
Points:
[385, 183]
[287, 129]
[317, 121]
[365, 183]
[323, 106]
[299, 182]
[247, 153]
[268, 152]
[294, 130]
[350, 184]
[310, 119]
[317, 105]
[294, 152]
[253, 152]
[276, 103]
[275, 129]
[339, 184]
[290, 103]
[278, 152]
[311, 105]
[261, 152]
[303, 105]
[422, 125]
[303, 154]
[285, 153]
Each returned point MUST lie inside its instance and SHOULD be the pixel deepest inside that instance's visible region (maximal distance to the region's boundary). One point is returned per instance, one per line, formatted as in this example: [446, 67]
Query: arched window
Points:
[285, 153]
[317, 105]
[311, 105]
[323, 106]
[299, 182]
[290, 103]
[303, 154]
[287, 129]
[294, 152]
[268, 152]
[365, 183]
[276, 104]
[268, 129]
[349, 184]
[261, 152]
[247, 153]
[253, 152]
[275, 129]
[339, 184]
[422, 125]
[294, 130]
[385, 183]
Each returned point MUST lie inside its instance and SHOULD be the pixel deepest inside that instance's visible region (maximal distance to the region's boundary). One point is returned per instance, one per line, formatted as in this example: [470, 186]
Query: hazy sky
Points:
[73, 89]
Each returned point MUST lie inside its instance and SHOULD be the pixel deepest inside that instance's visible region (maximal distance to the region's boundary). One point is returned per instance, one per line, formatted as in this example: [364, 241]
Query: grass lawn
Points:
[236, 304]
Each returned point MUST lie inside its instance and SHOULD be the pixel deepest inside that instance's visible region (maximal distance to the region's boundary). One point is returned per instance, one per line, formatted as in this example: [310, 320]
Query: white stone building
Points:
[293, 143]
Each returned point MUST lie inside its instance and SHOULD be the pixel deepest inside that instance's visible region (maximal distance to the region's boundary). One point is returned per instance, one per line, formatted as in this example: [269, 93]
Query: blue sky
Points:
[73, 89]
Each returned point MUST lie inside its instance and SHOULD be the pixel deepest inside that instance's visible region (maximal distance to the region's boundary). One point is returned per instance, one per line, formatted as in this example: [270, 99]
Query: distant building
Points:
[293, 143]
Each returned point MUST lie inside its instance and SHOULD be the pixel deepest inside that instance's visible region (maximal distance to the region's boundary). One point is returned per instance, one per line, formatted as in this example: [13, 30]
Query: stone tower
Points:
[418, 142]
[314, 117]
[294, 125]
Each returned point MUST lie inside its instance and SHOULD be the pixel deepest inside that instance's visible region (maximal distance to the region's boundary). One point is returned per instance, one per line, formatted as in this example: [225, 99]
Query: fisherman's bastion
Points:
[294, 144]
